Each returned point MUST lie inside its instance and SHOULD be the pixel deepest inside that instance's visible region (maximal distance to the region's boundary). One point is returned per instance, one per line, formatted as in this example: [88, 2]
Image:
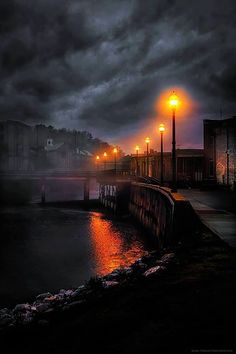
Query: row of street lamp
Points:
[115, 151]
[147, 141]
[173, 103]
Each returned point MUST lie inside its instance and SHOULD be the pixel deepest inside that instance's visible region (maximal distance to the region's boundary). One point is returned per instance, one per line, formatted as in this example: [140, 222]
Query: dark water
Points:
[47, 249]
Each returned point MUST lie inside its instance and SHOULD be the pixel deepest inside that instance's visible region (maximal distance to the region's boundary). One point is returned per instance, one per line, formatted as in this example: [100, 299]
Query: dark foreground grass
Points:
[190, 308]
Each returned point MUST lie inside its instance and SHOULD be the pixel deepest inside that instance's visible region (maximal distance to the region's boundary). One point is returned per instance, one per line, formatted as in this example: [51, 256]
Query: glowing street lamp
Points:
[97, 161]
[105, 159]
[161, 130]
[137, 151]
[173, 103]
[147, 141]
[115, 154]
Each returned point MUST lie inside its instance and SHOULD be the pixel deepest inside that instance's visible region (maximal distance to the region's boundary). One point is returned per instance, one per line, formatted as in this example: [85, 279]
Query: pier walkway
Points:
[217, 210]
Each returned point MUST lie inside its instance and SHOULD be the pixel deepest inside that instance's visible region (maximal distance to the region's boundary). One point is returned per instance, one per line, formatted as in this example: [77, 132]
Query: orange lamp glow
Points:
[97, 158]
[173, 100]
[105, 154]
[137, 148]
[161, 128]
[147, 140]
[115, 150]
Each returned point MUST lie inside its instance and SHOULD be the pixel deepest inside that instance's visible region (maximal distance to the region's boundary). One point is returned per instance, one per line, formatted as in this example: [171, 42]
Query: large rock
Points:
[154, 271]
[22, 308]
[110, 284]
[167, 258]
[42, 307]
[41, 297]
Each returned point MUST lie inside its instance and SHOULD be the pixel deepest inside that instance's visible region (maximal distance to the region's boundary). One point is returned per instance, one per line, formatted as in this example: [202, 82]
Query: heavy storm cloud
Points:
[98, 65]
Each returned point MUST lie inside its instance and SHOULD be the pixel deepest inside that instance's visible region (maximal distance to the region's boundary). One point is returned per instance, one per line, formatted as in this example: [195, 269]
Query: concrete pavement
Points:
[217, 210]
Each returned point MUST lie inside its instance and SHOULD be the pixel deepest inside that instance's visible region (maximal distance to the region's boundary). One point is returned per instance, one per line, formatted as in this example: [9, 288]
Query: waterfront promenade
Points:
[217, 210]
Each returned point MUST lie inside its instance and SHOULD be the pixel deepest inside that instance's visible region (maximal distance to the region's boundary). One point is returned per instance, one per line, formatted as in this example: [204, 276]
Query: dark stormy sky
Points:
[99, 65]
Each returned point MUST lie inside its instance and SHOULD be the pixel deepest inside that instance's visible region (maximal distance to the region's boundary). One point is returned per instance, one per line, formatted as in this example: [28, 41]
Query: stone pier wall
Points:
[115, 196]
[167, 216]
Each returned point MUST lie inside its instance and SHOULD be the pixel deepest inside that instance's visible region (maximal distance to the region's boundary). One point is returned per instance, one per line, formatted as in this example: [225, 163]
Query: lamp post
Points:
[115, 154]
[137, 164]
[97, 161]
[173, 102]
[105, 160]
[147, 141]
[161, 130]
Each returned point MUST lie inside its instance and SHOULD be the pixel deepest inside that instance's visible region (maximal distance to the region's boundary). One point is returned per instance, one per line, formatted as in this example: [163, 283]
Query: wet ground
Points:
[46, 249]
[217, 210]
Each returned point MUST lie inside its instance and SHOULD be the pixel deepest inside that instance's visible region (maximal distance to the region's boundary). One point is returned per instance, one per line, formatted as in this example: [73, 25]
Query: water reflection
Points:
[46, 249]
[111, 247]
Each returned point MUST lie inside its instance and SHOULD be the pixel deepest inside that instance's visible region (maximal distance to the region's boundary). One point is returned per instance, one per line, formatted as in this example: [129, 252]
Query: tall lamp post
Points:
[97, 161]
[137, 164]
[115, 155]
[147, 141]
[105, 160]
[161, 130]
[173, 102]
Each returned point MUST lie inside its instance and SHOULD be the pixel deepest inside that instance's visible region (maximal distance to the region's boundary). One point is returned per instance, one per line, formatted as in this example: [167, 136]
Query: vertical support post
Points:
[137, 164]
[115, 163]
[86, 189]
[162, 162]
[174, 187]
[43, 197]
[147, 159]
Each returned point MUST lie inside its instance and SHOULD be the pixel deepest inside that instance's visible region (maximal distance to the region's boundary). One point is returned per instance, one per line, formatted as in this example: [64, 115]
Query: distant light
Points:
[147, 140]
[115, 150]
[105, 154]
[137, 148]
[161, 128]
[173, 100]
[97, 157]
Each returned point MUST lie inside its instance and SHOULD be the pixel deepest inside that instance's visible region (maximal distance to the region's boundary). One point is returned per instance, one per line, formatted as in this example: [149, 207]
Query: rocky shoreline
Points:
[47, 304]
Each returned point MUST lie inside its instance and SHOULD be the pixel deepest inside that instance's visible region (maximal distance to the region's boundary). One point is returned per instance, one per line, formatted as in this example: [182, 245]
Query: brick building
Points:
[189, 165]
[220, 151]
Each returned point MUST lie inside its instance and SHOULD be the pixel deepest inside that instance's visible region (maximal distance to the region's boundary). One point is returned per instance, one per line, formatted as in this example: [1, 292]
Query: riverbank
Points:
[189, 306]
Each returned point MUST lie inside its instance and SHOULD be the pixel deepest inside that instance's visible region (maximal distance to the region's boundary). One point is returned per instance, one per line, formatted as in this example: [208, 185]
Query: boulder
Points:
[110, 284]
[22, 308]
[167, 258]
[27, 318]
[42, 307]
[154, 271]
[41, 297]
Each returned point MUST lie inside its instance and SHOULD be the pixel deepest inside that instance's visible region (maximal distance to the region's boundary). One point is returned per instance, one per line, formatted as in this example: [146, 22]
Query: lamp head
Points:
[115, 150]
[97, 158]
[161, 128]
[147, 140]
[137, 148]
[173, 100]
[105, 154]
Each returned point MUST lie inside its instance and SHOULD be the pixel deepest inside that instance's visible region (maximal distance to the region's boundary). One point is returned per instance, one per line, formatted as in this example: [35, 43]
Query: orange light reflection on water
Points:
[111, 249]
